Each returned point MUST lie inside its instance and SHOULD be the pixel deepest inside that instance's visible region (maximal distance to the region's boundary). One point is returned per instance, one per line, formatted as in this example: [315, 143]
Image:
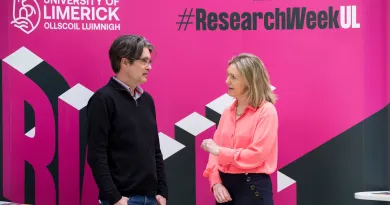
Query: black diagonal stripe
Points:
[356, 160]
[53, 85]
[180, 171]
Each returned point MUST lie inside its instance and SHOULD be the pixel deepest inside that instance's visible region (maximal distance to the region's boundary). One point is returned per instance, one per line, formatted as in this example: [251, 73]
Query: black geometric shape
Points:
[213, 116]
[29, 184]
[180, 171]
[29, 117]
[356, 160]
[53, 84]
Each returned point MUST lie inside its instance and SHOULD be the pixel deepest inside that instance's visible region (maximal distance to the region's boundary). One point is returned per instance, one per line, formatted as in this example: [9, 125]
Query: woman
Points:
[243, 151]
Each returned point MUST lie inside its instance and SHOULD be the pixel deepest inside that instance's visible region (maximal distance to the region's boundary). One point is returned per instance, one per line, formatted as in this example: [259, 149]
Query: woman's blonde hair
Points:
[257, 79]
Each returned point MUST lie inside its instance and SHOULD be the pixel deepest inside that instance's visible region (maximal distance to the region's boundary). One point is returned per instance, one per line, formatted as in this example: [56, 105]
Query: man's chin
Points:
[144, 79]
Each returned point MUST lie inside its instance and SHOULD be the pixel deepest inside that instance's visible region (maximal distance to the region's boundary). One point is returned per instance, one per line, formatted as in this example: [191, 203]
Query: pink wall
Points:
[327, 80]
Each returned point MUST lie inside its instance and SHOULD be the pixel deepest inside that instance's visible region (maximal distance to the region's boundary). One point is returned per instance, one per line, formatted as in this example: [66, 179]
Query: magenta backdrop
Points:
[327, 80]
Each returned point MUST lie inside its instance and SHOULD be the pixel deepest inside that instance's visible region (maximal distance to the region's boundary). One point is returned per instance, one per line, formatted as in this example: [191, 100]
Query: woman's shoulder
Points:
[267, 108]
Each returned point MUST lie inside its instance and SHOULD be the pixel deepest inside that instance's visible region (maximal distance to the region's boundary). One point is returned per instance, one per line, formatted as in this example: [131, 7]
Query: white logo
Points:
[26, 15]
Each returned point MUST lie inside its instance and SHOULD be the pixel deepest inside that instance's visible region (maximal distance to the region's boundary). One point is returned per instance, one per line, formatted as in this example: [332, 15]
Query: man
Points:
[123, 145]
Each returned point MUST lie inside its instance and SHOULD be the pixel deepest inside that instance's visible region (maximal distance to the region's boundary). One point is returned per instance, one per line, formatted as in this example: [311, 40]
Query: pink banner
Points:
[327, 60]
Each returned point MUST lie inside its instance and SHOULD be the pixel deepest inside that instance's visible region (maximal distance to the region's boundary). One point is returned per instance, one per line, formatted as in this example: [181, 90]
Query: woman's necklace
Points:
[238, 115]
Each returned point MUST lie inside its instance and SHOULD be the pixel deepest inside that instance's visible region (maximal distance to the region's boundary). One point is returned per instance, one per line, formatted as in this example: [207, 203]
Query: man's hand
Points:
[123, 201]
[221, 194]
[161, 200]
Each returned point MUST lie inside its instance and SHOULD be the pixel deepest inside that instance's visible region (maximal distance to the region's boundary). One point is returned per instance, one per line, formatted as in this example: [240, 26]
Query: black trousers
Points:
[248, 189]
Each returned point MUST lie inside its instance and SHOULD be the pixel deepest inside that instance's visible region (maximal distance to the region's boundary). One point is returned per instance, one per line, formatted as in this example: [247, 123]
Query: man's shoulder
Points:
[147, 95]
[103, 93]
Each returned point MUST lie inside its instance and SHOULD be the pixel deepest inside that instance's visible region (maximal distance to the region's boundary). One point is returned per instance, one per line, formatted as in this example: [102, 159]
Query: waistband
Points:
[243, 174]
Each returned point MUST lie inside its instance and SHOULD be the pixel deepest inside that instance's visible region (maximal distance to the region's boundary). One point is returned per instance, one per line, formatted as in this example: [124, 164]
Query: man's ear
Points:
[124, 61]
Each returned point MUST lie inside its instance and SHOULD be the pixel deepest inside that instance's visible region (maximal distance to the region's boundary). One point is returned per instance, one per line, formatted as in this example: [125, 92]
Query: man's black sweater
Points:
[123, 144]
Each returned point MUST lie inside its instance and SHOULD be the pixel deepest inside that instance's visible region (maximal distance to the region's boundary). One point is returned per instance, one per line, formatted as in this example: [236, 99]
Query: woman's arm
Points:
[212, 171]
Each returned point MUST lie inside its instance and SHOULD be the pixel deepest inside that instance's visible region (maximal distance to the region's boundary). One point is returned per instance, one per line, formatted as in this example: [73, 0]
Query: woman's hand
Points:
[221, 194]
[210, 146]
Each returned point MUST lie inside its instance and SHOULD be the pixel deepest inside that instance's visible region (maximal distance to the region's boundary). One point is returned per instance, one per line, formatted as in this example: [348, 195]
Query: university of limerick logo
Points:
[26, 15]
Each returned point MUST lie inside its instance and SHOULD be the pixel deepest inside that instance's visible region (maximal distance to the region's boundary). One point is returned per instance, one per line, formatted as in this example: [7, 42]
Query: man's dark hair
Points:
[129, 47]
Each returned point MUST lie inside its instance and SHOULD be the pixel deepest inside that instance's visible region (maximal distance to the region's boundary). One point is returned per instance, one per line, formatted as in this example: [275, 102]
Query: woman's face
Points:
[235, 81]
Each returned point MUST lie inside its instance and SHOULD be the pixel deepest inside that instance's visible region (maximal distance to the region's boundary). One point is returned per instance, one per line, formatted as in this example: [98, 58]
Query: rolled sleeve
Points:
[215, 179]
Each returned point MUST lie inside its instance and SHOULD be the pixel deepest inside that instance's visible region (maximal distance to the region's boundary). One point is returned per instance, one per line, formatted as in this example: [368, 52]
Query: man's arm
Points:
[162, 188]
[162, 182]
[98, 128]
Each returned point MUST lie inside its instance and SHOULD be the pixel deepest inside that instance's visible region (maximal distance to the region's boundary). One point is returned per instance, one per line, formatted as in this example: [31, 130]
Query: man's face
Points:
[138, 71]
